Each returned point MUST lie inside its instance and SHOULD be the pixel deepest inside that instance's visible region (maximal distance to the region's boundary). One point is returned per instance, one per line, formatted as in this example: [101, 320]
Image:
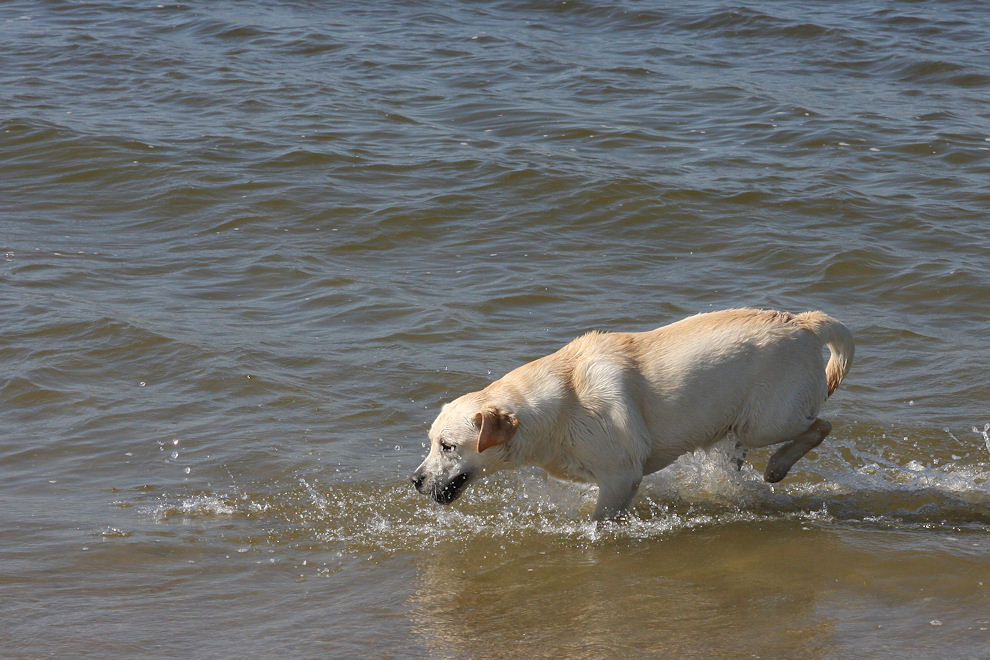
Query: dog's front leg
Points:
[615, 494]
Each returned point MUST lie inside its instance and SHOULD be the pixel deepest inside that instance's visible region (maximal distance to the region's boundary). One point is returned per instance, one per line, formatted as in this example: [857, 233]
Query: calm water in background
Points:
[249, 248]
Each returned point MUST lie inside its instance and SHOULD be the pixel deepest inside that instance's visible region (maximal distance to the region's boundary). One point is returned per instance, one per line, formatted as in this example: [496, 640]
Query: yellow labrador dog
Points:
[610, 407]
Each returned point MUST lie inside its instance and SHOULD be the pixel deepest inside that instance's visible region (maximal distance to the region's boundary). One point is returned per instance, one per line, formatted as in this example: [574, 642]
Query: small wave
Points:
[26, 393]
[942, 71]
[306, 158]
[609, 14]
[200, 505]
[743, 22]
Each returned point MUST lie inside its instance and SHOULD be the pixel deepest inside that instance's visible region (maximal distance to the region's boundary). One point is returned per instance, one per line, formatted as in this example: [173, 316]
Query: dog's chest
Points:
[566, 467]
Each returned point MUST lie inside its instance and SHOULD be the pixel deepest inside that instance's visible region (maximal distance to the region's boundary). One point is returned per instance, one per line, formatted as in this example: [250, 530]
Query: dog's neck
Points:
[543, 434]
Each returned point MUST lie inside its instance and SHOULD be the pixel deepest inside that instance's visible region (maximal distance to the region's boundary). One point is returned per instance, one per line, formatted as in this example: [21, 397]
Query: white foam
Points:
[986, 435]
[195, 505]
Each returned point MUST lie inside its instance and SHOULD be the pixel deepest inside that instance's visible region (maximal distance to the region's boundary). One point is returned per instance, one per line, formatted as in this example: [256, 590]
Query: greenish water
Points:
[249, 249]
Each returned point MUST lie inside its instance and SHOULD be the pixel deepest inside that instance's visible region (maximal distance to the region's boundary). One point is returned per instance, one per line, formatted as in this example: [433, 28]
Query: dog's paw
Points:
[775, 472]
[738, 457]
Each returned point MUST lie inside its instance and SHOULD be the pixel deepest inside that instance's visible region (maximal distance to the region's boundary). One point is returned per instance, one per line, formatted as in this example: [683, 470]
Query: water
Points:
[248, 249]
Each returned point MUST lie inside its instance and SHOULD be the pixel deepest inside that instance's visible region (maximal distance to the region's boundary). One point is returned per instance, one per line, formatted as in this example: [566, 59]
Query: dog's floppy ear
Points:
[494, 427]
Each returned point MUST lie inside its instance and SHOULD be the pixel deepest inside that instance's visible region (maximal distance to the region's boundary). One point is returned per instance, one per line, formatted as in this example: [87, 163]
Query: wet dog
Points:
[609, 408]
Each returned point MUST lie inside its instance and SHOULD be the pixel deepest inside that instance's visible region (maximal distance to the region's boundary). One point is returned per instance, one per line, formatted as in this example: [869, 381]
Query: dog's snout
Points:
[417, 479]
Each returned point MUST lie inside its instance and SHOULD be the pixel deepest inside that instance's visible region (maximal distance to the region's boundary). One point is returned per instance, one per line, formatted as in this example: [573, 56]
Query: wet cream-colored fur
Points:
[608, 408]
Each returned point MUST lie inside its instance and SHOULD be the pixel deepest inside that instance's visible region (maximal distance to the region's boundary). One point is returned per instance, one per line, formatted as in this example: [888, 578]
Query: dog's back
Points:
[758, 374]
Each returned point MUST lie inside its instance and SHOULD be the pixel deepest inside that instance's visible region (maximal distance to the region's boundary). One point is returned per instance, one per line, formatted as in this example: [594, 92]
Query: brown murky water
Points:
[249, 249]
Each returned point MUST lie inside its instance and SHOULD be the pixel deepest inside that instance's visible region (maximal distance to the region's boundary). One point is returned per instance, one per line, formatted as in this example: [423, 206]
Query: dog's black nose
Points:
[417, 479]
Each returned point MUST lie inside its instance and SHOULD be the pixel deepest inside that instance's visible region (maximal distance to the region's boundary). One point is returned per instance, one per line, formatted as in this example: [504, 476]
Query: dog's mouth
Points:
[451, 490]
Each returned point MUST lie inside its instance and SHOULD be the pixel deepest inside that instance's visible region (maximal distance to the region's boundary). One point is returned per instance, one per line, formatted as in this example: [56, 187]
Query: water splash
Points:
[202, 504]
[986, 435]
[701, 490]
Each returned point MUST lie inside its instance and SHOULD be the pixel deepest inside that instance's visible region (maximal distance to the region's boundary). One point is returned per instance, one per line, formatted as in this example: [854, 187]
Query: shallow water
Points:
[249, 249]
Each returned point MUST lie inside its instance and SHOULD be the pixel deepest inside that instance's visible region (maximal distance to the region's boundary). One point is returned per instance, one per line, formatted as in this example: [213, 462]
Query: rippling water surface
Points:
[249, 248]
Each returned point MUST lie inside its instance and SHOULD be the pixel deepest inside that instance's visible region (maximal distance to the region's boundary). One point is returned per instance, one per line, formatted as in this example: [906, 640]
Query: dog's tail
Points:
[839, 341]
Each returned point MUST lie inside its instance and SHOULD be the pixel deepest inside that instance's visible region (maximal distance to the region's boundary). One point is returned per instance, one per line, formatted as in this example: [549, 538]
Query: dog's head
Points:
[467, 440]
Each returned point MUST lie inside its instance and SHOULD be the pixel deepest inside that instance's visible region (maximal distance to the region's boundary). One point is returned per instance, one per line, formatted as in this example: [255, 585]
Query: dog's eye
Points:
[446, 447]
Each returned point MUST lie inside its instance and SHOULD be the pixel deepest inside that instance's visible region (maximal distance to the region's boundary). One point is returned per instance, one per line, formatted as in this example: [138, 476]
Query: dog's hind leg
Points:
[785, 457]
